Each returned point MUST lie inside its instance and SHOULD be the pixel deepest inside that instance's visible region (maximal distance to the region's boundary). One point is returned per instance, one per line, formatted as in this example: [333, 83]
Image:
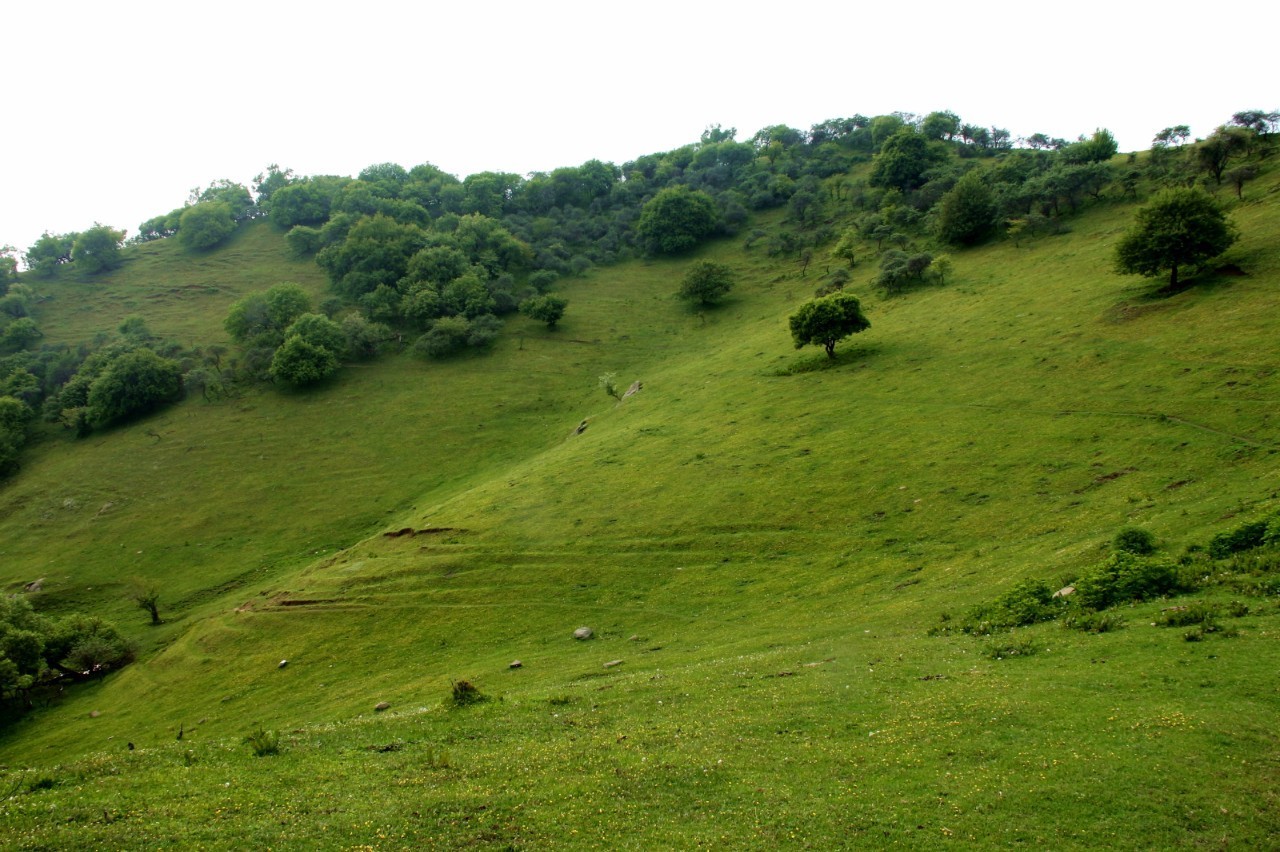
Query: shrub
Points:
[1028, 602]
[1244, 537]
[447, 336]
[464, 693]
[135, 382]
[542, 279]
[1134, 540]
[1123, 577]
[263, 742]
[1197, 612]
[299, 363]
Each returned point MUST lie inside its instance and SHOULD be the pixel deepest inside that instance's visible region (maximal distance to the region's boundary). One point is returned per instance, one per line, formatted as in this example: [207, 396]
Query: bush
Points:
[263, 742]
[1197, 612]
[1028, 602]
[1123, 577]
[542, 279]
[1134, 540]
[300, 363]
[1244, 537]
[447, 336]
[464, 693]
[204, 225]
[135, 382]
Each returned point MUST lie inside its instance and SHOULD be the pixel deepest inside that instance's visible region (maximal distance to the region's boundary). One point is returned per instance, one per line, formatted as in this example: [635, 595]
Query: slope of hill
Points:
[760, 540]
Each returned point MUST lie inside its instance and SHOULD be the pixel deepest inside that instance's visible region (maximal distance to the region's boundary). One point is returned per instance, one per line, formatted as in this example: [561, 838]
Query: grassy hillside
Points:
[761, 541]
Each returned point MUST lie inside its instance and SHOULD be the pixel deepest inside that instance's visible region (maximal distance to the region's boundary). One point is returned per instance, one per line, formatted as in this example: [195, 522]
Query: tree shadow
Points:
[816, 363]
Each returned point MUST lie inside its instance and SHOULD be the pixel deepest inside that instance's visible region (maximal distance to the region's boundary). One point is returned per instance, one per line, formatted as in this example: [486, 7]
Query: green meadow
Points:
[767, 545]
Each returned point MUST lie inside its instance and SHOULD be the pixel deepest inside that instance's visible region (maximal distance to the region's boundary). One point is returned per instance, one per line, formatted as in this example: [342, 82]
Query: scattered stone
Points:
[633, 638]
[283, 663]
[34, 585]
[583, 633]
[94, 714]
[634, 389]
[106, 507]
[1065, 592]
[612, 663]
[582, 427]
[515, 664]
[382, 705]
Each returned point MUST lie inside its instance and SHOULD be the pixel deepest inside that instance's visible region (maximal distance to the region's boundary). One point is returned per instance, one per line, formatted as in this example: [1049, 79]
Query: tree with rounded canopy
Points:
[903, 160]
[97, 249]
[235, 195]
[135, 382]
[676, 219]
[940, 125]
[548, 309]
[827, 321]
[967, 212]
[49, 252]
[319, 330]
[300, 363]
[1178, 227]
[266, 315]
[706, 282]
[206, 224]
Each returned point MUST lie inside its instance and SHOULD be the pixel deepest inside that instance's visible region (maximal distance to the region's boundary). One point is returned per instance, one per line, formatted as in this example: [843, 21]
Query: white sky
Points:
[115, 111]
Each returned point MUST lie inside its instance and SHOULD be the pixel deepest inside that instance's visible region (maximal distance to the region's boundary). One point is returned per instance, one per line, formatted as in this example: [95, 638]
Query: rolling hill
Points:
[767, 545]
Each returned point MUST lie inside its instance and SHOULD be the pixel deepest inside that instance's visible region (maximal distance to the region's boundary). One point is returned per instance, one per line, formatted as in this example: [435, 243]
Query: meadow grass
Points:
[763, 538]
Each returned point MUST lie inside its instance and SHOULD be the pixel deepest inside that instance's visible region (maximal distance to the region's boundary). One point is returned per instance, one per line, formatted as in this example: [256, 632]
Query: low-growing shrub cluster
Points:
[1246, 559]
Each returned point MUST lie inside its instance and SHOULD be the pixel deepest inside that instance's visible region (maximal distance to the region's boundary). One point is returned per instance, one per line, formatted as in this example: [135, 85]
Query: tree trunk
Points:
[831, 348]
[1173, 277]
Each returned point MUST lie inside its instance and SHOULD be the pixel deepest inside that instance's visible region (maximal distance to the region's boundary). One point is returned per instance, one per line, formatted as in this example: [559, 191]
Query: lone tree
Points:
[706, 282]
[548, 309]
[1179, 227]
[827, 321]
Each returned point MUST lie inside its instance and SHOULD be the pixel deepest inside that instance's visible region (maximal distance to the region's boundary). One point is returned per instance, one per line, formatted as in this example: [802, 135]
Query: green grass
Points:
[762, 538]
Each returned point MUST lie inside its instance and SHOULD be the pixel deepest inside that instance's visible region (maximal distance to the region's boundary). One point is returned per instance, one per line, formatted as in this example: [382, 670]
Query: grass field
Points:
[760, 539]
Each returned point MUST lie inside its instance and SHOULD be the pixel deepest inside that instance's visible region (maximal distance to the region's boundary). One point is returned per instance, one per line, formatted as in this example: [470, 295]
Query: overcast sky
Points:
[115, 111]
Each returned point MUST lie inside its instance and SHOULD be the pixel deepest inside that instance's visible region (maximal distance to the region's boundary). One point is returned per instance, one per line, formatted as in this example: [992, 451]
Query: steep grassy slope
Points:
[760, 537]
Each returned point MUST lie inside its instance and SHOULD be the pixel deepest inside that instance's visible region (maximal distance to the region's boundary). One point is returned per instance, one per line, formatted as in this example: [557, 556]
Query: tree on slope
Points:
[706, 282]
[1179, 227]
[676, 219]
[827, 321]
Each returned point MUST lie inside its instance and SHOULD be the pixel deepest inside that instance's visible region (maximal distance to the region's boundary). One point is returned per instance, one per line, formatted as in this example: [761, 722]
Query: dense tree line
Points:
[419, 257]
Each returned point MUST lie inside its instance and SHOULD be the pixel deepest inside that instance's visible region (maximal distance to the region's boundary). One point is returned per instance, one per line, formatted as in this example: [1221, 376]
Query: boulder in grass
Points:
[583, 633]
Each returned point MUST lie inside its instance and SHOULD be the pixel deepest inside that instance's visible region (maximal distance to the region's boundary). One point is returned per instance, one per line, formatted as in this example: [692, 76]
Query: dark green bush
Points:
[1196, 612]
[1244, 537]
[1124, 577]
[1134, 540]
[464, 693]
